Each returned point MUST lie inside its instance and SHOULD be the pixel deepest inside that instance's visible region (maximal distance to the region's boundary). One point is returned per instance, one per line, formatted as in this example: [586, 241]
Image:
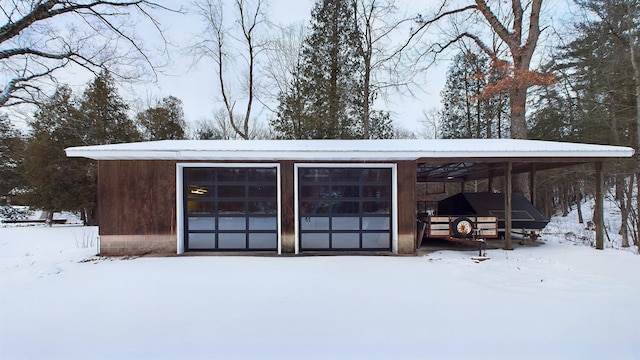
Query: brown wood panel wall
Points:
[288, 206]
[288, 217]
[137, 197]
[406, 206]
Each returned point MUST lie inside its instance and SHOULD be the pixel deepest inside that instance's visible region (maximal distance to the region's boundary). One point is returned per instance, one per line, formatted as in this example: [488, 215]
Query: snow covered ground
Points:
[557, 300]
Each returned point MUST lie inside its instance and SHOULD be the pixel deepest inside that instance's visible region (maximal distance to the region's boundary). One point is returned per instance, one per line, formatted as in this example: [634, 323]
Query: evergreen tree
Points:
[324, 100]
[53, 181]
[380, 126]
[103, 113]
[554, 116]
[598, 73]
[467, 112]
[164, 121]
[11, 152]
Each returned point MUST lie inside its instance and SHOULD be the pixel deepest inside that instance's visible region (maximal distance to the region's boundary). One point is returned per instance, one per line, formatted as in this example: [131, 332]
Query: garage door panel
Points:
[337, 206]
[225, 206]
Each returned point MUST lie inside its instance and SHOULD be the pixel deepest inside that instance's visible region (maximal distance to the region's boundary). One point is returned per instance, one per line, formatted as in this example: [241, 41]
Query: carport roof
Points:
[440, 150]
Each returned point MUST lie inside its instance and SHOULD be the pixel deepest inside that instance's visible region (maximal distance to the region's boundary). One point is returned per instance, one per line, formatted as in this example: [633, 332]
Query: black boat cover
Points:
[523, 214]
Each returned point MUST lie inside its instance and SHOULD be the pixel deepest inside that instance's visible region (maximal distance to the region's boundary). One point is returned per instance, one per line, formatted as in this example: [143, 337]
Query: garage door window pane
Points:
[351, 175]
[345, 240]
[231, 207]
[346, 207]
[315, 223]
[199, 207]
[376, 223]
[315, 207]
[376, 240]
[263, 207]
[377, 175]
[376, 191]
[320, 192]
[263, 241]
[263, 223]
[376, 207]
[199, 175]
[258, 191]
[344, 191]
[232, 223]
[259, 175]
[315, 241]
[201, 241]
[314, 175]
[345, 223]
[202, 223]
[230, 174]
[231, 191]
[232, 241]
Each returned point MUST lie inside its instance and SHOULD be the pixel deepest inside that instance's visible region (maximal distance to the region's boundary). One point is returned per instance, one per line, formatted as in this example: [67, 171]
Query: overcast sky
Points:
[197, 85]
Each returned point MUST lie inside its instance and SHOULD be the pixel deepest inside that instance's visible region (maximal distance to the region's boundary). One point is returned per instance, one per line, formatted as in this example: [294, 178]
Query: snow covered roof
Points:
[344, 150]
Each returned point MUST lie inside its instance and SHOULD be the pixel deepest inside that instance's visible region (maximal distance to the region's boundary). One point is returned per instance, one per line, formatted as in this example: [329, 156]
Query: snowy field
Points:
[558, 300]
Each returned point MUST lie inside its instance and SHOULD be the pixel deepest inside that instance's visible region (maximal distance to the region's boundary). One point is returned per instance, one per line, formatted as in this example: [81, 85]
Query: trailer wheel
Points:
[462, 227]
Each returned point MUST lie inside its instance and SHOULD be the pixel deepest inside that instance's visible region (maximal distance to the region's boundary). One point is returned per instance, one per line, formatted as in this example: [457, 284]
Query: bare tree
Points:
[431, 122]
[213, 44]
[377, 23]
[38, 38]
[520, 33]
[219, 128]
[282, 59]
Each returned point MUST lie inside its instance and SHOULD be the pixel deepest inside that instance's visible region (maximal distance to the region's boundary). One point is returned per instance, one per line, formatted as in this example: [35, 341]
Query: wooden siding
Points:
[137, 197]
[406, 207]
[288, 232]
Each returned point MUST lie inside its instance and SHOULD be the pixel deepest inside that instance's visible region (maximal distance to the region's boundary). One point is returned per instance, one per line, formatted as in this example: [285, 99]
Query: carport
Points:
[490, 159]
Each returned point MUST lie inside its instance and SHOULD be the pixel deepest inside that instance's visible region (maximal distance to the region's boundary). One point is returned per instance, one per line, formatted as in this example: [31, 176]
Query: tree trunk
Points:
[624, 215]
[566, 204]
[579, 204]
[630, 212]
[517, 103]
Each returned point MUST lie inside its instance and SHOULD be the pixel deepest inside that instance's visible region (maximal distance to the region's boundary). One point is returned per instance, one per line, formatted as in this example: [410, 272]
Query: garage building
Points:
[294, 196]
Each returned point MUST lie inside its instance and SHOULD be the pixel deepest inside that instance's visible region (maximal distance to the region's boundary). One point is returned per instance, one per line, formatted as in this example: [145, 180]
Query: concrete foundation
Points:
[137, 244]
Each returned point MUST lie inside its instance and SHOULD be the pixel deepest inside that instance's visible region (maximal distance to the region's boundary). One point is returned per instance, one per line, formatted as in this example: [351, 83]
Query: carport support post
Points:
[599, 210]
[532, 184]
[508, 189]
